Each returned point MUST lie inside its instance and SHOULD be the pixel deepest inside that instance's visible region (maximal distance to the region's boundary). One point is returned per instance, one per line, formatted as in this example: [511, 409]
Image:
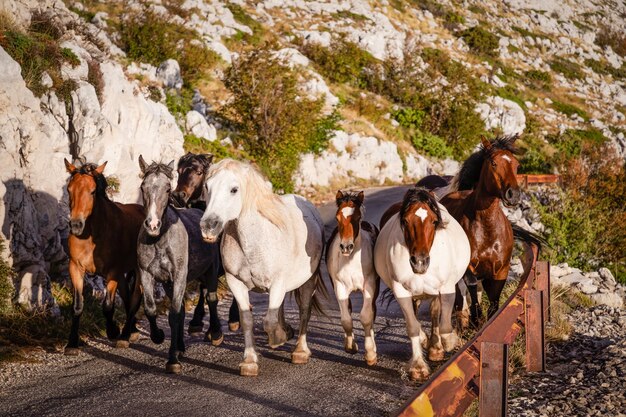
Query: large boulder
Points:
[504, 114]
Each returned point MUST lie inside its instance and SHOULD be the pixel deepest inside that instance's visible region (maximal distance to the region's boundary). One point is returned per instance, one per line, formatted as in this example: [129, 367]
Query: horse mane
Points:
[257, 195]
[89, 168]
[202, 159]
[421, 195]
[469, 174]
[354, 198]
[158, 168]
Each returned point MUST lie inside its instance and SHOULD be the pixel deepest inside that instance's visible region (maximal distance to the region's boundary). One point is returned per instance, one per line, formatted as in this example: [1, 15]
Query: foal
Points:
[422, 252]
[171, 250]
[192, 169]
[350, 262]
[103, 241]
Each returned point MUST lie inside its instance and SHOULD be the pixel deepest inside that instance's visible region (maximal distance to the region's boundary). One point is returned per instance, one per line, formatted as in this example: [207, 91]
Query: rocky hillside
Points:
[355, 92]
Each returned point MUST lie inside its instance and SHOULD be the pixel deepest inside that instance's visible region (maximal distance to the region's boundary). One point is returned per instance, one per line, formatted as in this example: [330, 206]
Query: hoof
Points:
[195, 330]
[215, 341]
[71, 351]
[134, 337]
[122, 344]
[113, 332]
[371, 360]
[234, 326]
[352, 349]
[300, 358]
[157, 336]
[173, 368]
[289, 331]
[248, 369]
[418, 374]
[435, 355]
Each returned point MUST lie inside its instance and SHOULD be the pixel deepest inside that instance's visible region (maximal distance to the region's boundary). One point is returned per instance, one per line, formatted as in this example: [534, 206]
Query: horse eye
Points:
[234, 190]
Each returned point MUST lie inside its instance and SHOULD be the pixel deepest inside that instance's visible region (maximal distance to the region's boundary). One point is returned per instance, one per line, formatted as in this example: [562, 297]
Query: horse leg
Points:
[475, 310]
[249, 366]
[77, 276]
[449, 337]
[461, 307]
[345, 309]
[493, 288]
[147, 282]
[368, 315]
[435, 348]
[130, 332]
[301, 353]
[176, 292]
[277, 336]
[417, 367]
[108, 307]
[233, 316]
[214, 334]
[197, 322]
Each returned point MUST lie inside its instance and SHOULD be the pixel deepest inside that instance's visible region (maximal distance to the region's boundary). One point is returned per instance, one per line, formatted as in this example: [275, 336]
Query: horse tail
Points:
[319, 293]
[387, 296]
[526, 236]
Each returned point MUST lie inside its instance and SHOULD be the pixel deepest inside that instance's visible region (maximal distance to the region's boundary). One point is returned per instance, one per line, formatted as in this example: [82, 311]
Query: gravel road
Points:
[103, 380]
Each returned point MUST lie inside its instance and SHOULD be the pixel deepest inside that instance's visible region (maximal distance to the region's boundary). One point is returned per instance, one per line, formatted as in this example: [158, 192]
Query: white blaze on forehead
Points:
[347, 211]
[506, 158]
[421, 213]
[153, 216]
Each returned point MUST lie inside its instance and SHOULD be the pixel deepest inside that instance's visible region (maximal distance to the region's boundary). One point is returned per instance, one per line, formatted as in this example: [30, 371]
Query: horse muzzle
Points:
[211, 229]
[180, 198]
[346, 249]
[419, 264]
[153, 228]
[77, 226]
[512, 197]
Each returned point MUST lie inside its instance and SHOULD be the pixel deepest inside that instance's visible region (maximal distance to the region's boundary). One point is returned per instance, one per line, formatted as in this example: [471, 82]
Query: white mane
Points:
[255, 192]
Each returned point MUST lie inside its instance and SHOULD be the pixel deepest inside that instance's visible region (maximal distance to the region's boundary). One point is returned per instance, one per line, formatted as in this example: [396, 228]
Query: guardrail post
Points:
[542, 283]
[494, 370]
[535, 342]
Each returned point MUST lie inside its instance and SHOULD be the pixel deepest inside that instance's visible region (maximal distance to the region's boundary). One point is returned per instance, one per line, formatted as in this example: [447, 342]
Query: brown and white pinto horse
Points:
[103, 241]
[192, 169]
[350, 263]
[486, 178]
[421, 253]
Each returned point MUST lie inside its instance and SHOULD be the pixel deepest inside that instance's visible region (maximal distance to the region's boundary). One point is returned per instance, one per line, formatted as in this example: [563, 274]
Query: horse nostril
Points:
[183, 194]
[342, 247]
[213, 224]
[158, 225]
[413, 260]
[147, 223]
[350, 246]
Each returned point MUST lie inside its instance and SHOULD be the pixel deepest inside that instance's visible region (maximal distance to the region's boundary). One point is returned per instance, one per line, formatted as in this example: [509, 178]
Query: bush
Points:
[539, 80]
[604, 68]
[615, 39]
[569, 109]
[571, 143]
[481, 41]
[409, 118]
[150, 38]
[535, 162]
[244, 18]
[6, 285]
[198, 145]
[569, 69]
[94, 77]
[586, 219]
[179, 102]
[431, 145]
[276, 124]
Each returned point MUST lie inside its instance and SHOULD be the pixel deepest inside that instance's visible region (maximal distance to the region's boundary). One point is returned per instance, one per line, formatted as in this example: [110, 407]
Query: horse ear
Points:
[69, 166]
[209, 157]
[142, 164]
[100, 169]
[361, 197]
[339, 195]
[486, 143]
[171, 164]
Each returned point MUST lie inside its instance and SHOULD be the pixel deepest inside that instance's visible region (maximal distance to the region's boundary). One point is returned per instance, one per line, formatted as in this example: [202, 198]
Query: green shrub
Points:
[509, 92]
[539, 80]
[535, 162]
[571, 143]
[604, 68]
[244, 18]
[569, 69]
[409, 118]
[179, 102]
[342, 62]
[322, 131]
[525, 33]
[6, 285]
[431, 145]
[569, 109]
[150, 38]
[198, 145]
[95, 78]
[275, 122]
[606, 36]
[481, 41]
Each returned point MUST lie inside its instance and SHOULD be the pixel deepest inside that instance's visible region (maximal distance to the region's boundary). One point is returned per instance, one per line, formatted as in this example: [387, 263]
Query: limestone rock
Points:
[197, 125]
[169, 74]
[507, 115]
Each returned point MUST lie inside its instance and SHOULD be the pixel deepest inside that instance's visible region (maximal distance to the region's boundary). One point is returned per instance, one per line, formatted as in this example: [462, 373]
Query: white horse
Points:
[270, 244]
[350, 262]
[421, 253]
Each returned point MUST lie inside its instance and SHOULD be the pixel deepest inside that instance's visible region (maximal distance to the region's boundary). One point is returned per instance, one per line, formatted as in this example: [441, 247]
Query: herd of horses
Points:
[438, 243]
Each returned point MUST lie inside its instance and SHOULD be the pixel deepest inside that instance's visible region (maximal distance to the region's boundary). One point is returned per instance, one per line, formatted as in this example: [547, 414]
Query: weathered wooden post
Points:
[494, 372]
[535, 341]
[542, 283]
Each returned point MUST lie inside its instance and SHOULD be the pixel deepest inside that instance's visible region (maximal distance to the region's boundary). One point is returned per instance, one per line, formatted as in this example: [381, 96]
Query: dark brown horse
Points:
[192, 169]
[486, 178]
[103, 241]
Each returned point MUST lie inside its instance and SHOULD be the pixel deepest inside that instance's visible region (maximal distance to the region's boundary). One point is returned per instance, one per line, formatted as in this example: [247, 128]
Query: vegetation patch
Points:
[241, 16]
[569, 109]
[481, 41]
[528, 33]
[607, 37]
[604, 68]
[569, 69]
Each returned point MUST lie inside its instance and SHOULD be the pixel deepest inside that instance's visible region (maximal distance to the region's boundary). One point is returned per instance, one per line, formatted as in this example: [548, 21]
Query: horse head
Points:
[155, 191]
[348, 219]
[86, 183]
[499, 169]
[192, 169]
[420, 217]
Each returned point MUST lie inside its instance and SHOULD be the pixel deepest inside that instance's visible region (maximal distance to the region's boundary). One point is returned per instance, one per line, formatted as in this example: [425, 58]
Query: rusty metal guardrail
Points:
[528, 179]
[480, 368]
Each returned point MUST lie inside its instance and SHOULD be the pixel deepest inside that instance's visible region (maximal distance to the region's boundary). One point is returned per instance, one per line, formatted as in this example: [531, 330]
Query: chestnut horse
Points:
[350, 262]
[103, 241]
[192, 169]
[421, 253]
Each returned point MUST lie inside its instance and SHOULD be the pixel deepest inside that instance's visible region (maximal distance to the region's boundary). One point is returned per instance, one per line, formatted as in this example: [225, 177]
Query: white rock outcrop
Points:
[504, 114]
